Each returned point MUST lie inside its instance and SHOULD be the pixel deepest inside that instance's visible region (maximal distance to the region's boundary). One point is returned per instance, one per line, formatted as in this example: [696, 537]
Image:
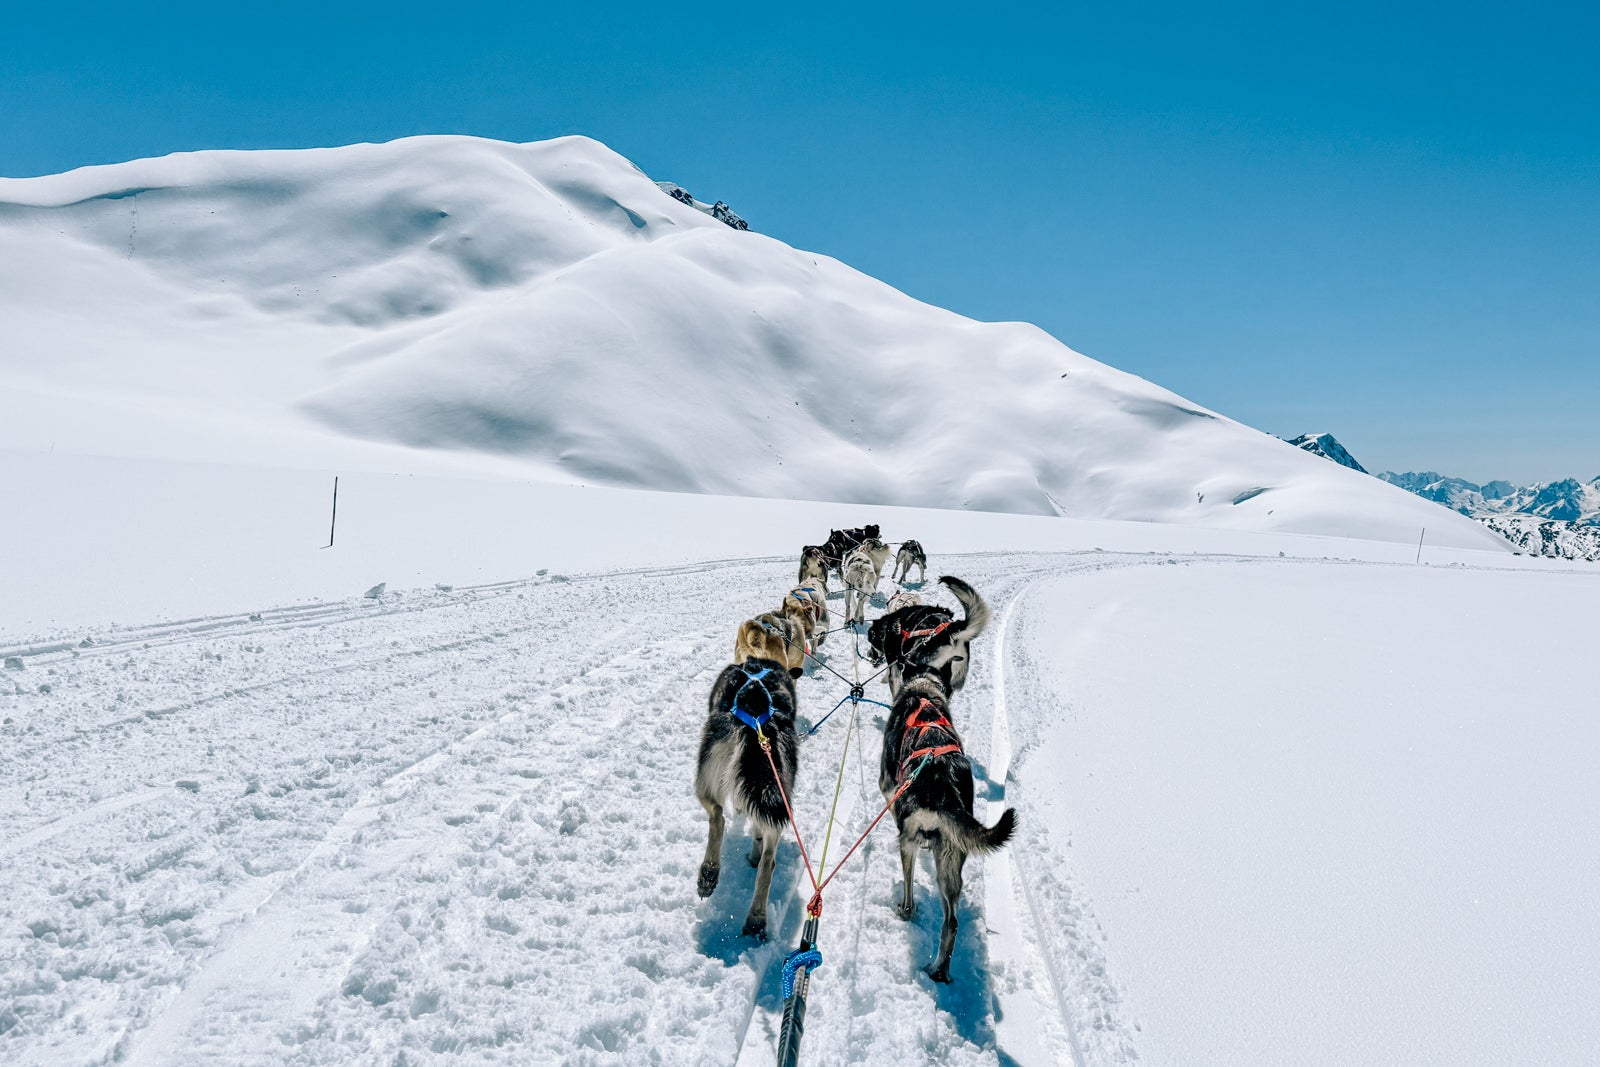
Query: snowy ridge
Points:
[546, 310]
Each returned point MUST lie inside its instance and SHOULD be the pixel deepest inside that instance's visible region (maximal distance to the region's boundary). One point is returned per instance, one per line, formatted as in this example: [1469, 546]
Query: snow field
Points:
[1327, 812]
[444, 823]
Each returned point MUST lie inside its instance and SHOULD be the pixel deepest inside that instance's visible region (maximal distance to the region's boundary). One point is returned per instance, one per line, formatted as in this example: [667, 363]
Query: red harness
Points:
[919, 724]
[932, 631]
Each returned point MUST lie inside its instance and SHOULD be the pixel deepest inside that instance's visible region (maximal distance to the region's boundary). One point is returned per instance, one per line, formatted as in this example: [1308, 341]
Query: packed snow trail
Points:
[460, 821]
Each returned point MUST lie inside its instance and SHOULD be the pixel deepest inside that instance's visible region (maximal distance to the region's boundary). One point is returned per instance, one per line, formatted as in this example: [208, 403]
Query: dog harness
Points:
[925, 719]
[753, 721]
[812, 599]
[930, 633]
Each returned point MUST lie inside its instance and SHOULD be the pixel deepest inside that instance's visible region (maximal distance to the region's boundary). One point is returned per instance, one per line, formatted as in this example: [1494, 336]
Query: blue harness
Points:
[755, 722]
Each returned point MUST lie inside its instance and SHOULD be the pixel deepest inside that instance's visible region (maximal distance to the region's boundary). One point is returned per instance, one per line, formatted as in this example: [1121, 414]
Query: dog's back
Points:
[887, 637]
[731, 763]
[775, 636]
[813, 564]
[937, 806]
[734, 768]
[927, 775]
[876, 551]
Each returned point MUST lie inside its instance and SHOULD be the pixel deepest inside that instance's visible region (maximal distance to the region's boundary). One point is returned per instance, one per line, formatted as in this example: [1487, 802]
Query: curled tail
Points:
[976, 609]
[976, 837]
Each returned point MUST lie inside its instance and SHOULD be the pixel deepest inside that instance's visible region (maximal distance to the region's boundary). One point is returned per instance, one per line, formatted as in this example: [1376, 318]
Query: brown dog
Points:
[779, 636]
[809, 601]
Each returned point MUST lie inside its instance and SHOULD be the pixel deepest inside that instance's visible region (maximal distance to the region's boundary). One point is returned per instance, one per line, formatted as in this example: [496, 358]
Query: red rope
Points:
[766, 746]
[815, 907]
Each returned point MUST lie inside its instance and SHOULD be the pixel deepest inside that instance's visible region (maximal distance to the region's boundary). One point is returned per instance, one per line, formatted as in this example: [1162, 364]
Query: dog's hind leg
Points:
[949, 863]
[755, 923]
[711, 866]
[908, 865]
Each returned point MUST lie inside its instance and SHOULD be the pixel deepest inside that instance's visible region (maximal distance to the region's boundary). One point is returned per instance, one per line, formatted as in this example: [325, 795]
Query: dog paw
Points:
[756, 928]
[709, 873]
[939, 974]
[906, 912]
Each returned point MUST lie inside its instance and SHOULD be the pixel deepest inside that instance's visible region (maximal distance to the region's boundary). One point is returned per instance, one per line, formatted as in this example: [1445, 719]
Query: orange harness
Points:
[919, 724]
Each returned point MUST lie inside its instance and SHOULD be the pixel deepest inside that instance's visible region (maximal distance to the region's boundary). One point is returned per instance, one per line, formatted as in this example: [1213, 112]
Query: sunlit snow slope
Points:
[546, 310]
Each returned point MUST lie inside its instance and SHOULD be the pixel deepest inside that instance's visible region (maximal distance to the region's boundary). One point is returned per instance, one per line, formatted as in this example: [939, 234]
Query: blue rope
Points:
[825, 718]
[855, 695]
[810, 959]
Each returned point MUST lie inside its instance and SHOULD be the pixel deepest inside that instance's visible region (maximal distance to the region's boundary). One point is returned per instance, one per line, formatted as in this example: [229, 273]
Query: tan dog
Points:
[810, 601]
[776, 635]
[902, 599]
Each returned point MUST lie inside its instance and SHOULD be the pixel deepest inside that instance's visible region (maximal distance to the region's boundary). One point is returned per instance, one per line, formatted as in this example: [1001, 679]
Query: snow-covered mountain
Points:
[1328, 447]
[1559, 519]
[547, 310]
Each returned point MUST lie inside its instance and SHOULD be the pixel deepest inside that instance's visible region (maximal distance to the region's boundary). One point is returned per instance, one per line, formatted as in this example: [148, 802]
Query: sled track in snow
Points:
[1001, 753]
[380, 822]
[153, 1041]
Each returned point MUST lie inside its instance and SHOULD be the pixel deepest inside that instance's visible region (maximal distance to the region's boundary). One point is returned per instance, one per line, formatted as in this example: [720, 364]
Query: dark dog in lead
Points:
[930, 635]
[921, 747]
[840, 542]
[733, 770]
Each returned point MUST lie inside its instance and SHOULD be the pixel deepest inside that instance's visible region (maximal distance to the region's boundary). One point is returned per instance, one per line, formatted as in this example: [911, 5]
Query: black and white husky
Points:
[929, 635]
[910, 552]
[921, 745]
[732, 768]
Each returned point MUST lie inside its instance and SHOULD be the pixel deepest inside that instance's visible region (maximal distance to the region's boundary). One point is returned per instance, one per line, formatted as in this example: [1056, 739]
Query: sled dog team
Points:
[924, 649]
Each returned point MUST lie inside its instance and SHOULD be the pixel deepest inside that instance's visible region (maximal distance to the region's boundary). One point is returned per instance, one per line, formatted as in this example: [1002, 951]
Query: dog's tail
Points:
[974, 837]
[973, 604]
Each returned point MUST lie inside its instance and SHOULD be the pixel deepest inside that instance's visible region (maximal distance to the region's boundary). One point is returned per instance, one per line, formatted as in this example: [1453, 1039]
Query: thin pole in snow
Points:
[334, 521]
[1419, 543]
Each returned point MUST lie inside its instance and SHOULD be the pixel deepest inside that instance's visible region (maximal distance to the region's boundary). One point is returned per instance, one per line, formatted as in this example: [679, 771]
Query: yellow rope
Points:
[822, 864]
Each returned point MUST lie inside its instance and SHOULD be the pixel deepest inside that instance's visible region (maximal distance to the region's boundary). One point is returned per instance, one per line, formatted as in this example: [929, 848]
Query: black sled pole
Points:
[333, 521]
[794, 1008]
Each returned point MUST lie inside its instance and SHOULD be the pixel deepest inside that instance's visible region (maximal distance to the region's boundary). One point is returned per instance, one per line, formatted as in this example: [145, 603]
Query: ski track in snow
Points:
[460, 822]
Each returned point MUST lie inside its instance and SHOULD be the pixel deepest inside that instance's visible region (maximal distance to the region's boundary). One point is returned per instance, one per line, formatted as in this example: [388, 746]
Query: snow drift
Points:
[547, 310]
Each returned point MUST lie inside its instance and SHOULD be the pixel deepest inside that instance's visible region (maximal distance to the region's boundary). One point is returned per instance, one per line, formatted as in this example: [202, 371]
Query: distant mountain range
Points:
[1560, 519]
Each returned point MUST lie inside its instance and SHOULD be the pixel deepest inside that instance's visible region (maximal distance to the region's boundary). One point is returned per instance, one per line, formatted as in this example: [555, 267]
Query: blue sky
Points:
[1378, 221]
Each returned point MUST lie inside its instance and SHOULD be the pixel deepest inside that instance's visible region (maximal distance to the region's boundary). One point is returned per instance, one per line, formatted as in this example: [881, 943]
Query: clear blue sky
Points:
[1377, 220]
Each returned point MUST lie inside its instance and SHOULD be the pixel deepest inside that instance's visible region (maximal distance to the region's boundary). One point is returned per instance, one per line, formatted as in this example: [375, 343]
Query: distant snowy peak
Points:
[1559, 519]
[1326, 446]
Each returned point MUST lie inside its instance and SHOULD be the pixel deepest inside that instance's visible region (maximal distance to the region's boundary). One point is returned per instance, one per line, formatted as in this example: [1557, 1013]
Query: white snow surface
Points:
[453, 304]
[454, 822]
